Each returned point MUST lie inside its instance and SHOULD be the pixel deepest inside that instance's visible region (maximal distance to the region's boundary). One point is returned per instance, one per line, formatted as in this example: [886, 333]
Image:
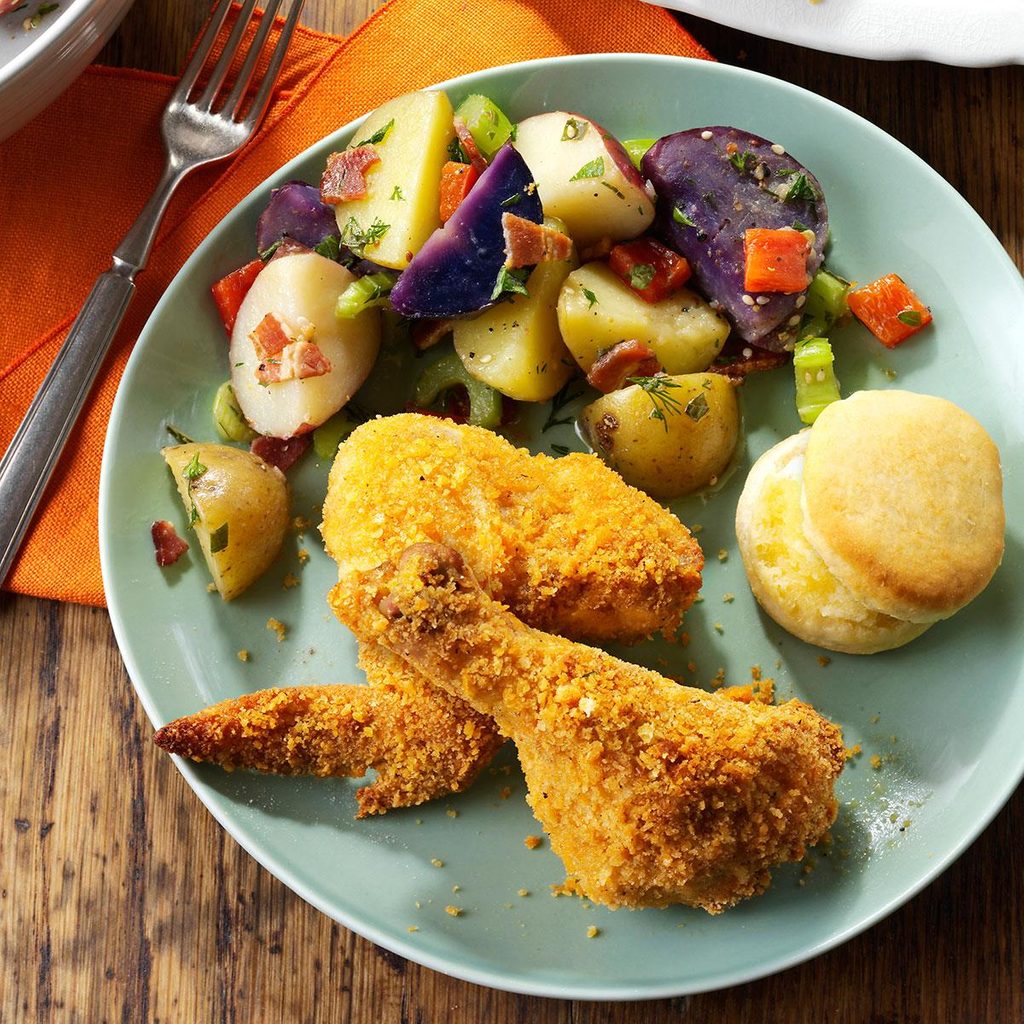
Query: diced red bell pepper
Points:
[651, 269]
[776, 260]
[456, 181]
[229, 291]
[889, 310]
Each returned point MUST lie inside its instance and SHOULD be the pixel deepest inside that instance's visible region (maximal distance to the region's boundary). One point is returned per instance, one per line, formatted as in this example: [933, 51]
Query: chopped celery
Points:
[448, 372]
[816, 384]
[364, 293]
[636, 149]
[486, 122]
[826, 304]
[227, 415]
[329, 435]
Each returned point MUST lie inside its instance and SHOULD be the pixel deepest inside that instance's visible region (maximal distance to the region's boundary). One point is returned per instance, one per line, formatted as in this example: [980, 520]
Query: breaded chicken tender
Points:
[565, 543]
[652, 793]
[421, 748]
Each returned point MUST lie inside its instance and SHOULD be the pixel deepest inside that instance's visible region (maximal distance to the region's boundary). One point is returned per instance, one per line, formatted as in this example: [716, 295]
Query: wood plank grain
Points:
[122, 900]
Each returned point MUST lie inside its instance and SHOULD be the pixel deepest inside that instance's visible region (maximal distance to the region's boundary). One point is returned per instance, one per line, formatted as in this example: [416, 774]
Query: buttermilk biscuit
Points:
[786, 574]
[902, 499]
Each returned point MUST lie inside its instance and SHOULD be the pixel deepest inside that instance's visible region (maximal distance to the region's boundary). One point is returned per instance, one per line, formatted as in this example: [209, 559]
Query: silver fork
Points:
[196, 131]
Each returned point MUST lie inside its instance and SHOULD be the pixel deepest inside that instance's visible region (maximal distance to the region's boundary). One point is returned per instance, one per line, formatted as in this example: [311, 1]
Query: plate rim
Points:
[394, 942]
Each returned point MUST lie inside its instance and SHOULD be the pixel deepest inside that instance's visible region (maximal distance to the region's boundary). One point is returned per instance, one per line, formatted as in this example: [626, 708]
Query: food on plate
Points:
[715, 184]
[652, 793]
[516, 346]
[420, 749]
[295, 212]
[398, 210]
[597, 310]
[816, 382]
[889, 309]
[882, 519]
[667, 435]
[294, 364]
[564, 542]
[463, 266]
[585, 177]
[236, 504]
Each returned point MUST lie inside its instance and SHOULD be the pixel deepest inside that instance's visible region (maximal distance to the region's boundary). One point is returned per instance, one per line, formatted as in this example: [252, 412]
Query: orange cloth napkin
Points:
[76, 177]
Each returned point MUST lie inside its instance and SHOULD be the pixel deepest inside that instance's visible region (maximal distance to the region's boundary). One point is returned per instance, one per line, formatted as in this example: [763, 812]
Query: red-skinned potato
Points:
[585, 177]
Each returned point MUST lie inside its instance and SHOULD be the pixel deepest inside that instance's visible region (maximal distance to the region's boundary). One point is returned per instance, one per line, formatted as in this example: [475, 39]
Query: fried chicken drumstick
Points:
[652, 793]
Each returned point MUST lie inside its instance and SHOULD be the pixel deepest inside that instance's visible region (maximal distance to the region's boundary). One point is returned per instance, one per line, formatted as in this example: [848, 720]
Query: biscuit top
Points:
[902, 499]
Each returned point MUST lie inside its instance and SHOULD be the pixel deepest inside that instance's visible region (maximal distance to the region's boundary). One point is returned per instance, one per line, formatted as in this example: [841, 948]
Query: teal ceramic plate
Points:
[944, 715]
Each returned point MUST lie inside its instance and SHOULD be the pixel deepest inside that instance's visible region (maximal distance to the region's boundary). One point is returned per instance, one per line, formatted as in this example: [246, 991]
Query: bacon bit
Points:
[456, 181]
[229, 291]
[297, 361]
[469, 146]
[282, 452]
[344, 177]
[651, 269]
[625, 359]
[527, 243]
[270, 336]
[169, 546]
[737, 362]
[427, 333]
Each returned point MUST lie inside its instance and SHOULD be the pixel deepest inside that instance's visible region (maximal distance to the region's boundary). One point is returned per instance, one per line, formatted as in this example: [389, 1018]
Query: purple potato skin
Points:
[295, 211]
[456, 270]
[695, 175]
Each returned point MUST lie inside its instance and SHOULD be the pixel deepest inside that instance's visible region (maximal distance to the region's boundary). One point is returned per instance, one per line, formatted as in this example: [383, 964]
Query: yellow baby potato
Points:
[238, 507]
[597, 310]
[670, 439]
[400, 211]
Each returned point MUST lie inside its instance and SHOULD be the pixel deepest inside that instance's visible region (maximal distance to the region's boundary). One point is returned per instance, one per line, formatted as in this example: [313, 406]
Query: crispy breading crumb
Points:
[278, 627]
[453, 911]
[456, 888]
[875, 719]
[728, 598]
[532, 842]
[719, 628]
[851, 752]
[524, 892]
[723, 555]
[719, 679]
[290, 580]
[303, 556]
[824, 660]
[243, 655]
[696, 528]
[300, 524]
[412, 928]
[593, 931]
[691, 666]
[451, 812]
[505, 792]
[876, 761]
[211, 588]
[437, 862]
[755, 673]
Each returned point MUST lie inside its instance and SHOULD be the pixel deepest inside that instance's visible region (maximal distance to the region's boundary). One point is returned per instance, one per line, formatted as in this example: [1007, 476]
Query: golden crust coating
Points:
[903, 501]
[564, 542]
[652, 793]
[421, 748]
[787, 576]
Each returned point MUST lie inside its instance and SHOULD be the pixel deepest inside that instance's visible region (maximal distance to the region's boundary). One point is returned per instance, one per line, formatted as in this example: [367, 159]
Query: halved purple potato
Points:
[457, 269]
[295, 211]
[712, 184]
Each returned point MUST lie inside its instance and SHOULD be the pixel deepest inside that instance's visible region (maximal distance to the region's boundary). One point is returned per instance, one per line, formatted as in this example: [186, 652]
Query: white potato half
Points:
[597, 309]
[403, 190]
[584, 177]
[301, 285]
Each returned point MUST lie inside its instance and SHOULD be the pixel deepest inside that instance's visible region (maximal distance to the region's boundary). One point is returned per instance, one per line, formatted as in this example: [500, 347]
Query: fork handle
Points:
[28, 463]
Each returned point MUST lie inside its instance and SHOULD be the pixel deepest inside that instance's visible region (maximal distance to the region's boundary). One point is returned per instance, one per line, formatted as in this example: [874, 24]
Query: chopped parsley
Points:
[456, 153]
[265, 254]
[195, 469]
[910, 317]
[512, 199]
[800, 189]
[611, 188]
[560, 449]
[379, 135]
[329, 247]
[590, 297]
[697, 408]
[680, 218]
[179, 435]
[565, 395]
[658, 389]
[593, 169]
[396, 194]
[219, 539]
[510, 282]
[641, 275]
[574, 129]
[739, 160]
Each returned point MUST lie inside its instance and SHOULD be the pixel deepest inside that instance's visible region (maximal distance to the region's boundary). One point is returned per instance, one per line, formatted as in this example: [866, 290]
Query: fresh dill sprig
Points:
[658, 390]
[566, 394]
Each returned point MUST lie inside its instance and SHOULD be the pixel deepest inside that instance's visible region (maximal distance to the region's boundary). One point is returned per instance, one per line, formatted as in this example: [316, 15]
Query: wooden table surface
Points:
[121, 898]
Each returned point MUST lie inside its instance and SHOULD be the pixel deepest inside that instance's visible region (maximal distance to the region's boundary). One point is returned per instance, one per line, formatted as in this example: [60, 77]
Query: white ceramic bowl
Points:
[36, 66]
